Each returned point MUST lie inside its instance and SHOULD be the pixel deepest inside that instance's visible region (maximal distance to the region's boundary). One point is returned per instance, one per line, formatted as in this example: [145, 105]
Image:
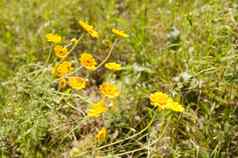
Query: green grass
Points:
[187, 49]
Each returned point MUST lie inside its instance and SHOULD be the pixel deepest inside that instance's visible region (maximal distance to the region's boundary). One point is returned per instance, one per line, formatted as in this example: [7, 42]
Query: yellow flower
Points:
[102, 134]
[175, 106]
[88, 61]
[159, 99]
[89, 29]
[163, 101]
[77, 82]
[113, 66]
[119, 33]
[109, 90]
[62, 69]
[62, 83]
[96, 109]
[93, 33]
[60, 51]
[85, 26]
[53, 38]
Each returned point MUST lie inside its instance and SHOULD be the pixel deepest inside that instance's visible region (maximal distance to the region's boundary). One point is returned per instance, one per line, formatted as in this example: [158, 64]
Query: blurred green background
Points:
[187, 48]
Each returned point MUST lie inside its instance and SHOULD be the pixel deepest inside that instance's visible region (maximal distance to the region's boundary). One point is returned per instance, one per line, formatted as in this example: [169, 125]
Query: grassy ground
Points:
[185, 48]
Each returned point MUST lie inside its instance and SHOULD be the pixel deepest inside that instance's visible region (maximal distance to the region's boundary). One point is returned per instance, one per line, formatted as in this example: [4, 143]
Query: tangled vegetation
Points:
[118, 79]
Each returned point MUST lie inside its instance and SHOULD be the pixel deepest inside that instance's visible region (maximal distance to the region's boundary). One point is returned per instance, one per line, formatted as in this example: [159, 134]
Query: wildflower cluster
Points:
[163, 101]
[68, 75]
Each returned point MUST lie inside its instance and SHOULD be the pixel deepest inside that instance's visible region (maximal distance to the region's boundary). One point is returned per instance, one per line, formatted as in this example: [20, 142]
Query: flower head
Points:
[62, 83]
[159, 99]
[85, 26]
[53, 38]
[102, 134]
[89, 29]
[77, 82]
[109, 90]
[88, 61]
[96, 109]
[163, 101]
[62, 69]
[93, 33]
[119, 33]
[113, 66]
[60, 52]
[175, 106]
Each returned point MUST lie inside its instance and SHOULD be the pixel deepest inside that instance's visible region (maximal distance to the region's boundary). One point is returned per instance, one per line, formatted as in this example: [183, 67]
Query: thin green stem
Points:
[74, 95]
[130, 137]
[145, 147]
[75, 44]
[122, 140]
[49, 55]
[108, 55]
